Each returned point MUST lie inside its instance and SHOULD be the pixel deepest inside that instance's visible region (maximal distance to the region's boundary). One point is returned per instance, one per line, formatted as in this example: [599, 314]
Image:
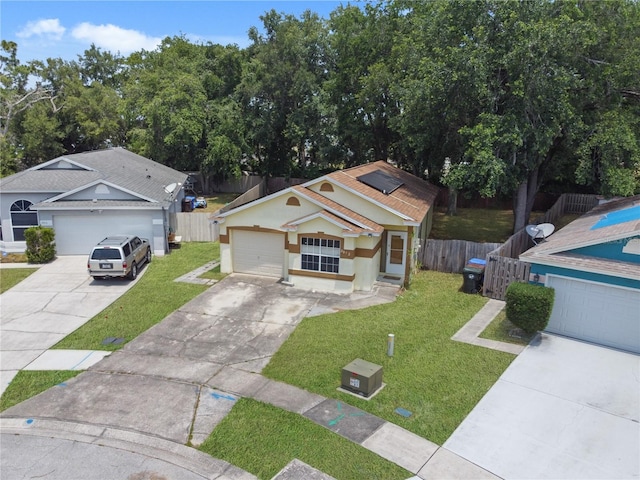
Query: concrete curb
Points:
[21, 265]
[176, 454]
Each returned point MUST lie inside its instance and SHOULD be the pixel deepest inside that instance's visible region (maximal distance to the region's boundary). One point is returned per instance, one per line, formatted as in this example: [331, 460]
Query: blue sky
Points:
[65, 29]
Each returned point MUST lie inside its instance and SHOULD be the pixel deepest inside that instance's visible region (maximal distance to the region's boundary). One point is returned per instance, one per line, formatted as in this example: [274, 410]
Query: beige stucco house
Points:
[340, 232]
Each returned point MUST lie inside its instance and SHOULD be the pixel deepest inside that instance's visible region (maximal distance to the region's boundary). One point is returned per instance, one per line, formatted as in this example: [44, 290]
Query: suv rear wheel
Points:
[148, 256]
[134, 271]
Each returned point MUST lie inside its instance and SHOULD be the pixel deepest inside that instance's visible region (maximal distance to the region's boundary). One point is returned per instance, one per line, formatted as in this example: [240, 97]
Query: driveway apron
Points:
[563, 409]
[177, 380]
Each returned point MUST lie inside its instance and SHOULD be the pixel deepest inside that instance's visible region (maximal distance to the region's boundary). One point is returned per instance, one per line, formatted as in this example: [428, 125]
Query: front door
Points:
[396, 252]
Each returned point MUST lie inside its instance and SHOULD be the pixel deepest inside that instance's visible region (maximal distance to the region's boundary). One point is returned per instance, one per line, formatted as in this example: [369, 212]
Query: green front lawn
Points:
[12, 276]
[435, 378]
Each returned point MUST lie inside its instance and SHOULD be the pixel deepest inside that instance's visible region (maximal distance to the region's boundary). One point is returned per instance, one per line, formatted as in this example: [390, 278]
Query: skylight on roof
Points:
[620, 216]
[380, 181]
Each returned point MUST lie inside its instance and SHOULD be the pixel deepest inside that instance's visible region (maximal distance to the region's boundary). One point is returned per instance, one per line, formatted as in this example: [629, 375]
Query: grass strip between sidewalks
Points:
[500, 328]
[262, 439]
[27, 384]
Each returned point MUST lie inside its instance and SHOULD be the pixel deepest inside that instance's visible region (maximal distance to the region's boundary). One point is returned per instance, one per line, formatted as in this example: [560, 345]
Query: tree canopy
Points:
[486, 97]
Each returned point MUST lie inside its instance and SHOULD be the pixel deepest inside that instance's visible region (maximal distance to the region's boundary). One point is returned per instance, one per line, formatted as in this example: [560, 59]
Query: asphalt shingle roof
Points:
[557, 248]
[413, 198]
[346, 213]
[411, 201]
[118, 166]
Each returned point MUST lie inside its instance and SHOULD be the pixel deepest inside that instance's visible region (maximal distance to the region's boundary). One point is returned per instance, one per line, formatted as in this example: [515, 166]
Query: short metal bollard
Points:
[390, 342]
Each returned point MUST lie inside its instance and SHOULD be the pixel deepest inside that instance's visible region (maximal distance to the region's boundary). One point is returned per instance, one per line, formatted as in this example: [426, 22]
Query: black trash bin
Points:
[473, 274]
[187, 205]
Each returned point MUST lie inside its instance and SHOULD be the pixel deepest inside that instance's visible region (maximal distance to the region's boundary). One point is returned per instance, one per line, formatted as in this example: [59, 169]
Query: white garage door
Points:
[76, 234]
[258, 253]
[596, 312]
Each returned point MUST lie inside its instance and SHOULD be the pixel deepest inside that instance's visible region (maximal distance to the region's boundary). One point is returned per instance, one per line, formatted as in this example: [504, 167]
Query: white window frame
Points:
[320, 254]
[17, 209]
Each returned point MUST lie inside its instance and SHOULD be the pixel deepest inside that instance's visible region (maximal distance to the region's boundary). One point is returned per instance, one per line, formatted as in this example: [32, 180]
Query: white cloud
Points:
[115, 39]
[49, 28]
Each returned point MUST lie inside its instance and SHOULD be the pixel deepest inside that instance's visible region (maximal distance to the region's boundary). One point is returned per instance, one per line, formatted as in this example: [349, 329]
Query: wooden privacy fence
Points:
[450, 256]
[500, 272]
[254, 193]
[503, 266]
[198, 227]
[574, 203]
[194, 227]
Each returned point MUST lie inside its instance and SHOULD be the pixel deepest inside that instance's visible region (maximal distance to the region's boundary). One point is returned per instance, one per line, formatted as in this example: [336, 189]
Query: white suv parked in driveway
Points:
[118, 256]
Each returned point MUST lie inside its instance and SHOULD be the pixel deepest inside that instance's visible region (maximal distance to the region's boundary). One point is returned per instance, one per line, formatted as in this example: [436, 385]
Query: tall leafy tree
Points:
[165, 102]
[608, 153]
[532, 111]
[281, 92]
[97, 65]
[360, 80]
[439, 81]
[225, 129]
[18, 96]
[89, 109]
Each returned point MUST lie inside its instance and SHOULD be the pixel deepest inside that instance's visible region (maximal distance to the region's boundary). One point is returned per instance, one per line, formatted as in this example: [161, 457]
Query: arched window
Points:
[22, 218]
[326, 187]
[293, 201]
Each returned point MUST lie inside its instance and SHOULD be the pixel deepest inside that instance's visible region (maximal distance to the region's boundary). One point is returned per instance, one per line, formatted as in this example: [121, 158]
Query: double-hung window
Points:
[320, 254]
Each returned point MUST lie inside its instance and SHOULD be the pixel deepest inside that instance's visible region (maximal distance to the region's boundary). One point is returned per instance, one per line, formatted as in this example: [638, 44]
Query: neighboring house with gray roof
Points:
[88, 196]
[594, 266]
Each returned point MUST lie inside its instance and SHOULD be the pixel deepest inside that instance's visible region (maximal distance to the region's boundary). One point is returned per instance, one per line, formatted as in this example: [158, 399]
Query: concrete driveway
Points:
[178, 379]
[563, 409]
[46, 307]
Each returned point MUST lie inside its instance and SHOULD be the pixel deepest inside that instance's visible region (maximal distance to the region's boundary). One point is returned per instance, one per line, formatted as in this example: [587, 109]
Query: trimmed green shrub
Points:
[529, 306]
[40, 245]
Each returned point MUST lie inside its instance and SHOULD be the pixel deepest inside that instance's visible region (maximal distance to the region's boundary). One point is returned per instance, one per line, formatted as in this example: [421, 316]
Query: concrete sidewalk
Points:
[470, 331]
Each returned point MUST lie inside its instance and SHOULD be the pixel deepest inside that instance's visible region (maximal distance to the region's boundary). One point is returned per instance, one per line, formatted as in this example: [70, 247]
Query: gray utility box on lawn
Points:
[362, 377]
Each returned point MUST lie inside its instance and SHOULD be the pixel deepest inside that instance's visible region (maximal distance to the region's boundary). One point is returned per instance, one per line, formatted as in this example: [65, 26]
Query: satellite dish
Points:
[532, 230]
[540, 232]
[170, 188]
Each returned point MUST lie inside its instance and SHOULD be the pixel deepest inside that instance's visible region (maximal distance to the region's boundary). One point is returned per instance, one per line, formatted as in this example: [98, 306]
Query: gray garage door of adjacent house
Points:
[258, 253]
[596, 312]
[76, 234]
